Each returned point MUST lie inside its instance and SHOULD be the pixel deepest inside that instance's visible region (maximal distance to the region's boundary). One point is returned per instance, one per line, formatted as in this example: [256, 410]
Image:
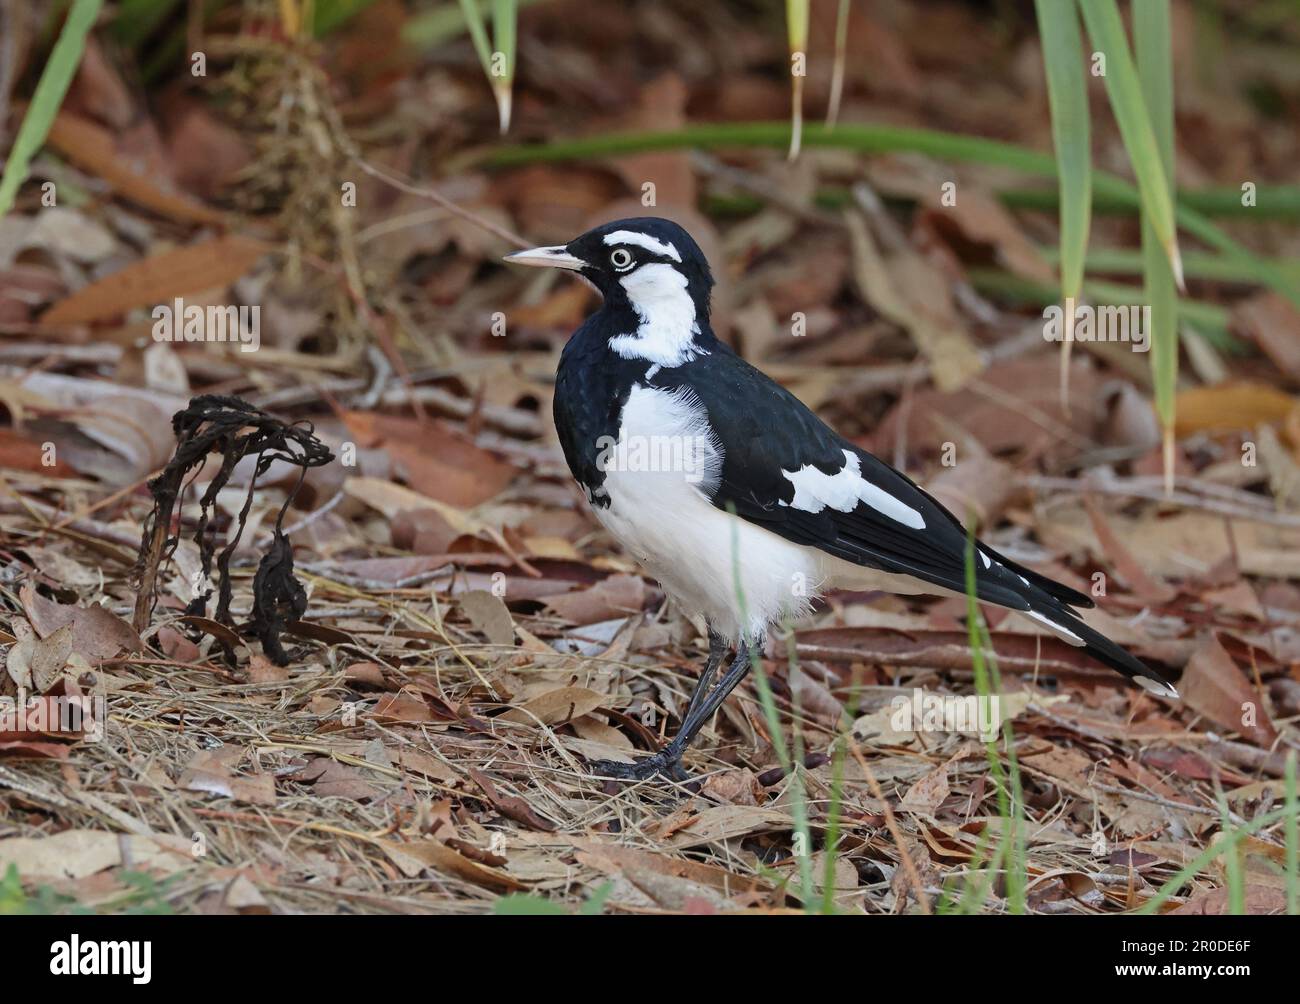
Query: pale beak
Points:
[553, 257]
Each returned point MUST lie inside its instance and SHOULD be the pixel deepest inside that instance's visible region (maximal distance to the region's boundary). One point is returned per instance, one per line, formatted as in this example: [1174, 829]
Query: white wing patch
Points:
[842, 491]
[643, 241]
[1064, 633]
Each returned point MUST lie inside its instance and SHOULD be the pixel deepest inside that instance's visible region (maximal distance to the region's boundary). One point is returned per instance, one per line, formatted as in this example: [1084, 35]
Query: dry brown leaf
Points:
[93, 149]
[555, 706]
[413, 856]
[738, 787]
[331, 779]
[662, 107]
[1273, 323]
[911, 292]
[390, 498]
[612, 858]
[1215, 687]
[97, 633]
[926, 795]
[616, 596]
[1183, 544]
[511, 806]
[1218, 902]
[76, 853]
[50, 656]
[1230, 407]
[40, 718]
[982, 219]
[592, 729]
[402, 708]
[369, 673]
[457, 472]
[158, 279]
[263, 670]
[256, 790]
[1142, 585]
[724, 822]
[489, 615]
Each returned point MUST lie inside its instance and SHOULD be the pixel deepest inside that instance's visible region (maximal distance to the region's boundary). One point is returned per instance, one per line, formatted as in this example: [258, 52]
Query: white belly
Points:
[739, 576]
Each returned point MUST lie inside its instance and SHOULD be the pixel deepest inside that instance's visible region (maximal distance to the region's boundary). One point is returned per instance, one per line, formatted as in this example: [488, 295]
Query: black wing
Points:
[767, 431]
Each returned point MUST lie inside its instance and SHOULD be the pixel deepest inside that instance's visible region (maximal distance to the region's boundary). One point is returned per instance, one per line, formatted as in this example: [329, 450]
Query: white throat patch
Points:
[666, 334]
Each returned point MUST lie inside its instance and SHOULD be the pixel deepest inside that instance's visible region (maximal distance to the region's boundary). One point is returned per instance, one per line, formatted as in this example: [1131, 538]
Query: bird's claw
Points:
[668, 764]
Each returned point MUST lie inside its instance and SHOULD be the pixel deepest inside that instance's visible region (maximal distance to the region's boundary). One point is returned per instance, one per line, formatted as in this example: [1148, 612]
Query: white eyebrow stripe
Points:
[645, 241]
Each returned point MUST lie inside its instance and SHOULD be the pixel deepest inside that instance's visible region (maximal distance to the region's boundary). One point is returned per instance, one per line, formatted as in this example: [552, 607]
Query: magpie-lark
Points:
[735, 496]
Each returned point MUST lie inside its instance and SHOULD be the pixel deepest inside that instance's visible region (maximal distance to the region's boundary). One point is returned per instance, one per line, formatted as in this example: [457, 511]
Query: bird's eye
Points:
[620, 258]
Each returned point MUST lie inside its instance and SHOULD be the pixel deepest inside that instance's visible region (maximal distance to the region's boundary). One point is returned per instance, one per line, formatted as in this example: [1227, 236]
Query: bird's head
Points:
[633, 263]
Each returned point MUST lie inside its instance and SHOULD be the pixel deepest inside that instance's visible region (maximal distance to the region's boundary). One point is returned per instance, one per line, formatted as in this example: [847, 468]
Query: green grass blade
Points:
[1210, 319]
[53, 85]
[136, 20]
[1275, 202]
[1067, 94]
[478, 33]
[505, 14]
[427, 29]
[1106, 29]
[796, 22]
[1011, 841]
[1196, 265]
[1290, 827]
[798, 801]
[1229, 842]
[498, 63]
[1232, 866]
[835, 810]
[873, 139]
[1151, 38]
[1283, 204]
[841, 59]
[330, 15]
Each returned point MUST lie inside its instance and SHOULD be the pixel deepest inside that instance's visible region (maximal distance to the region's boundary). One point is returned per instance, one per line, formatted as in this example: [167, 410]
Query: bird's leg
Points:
[707, 708]
[703, 704]
[663, 762]
[717, 651]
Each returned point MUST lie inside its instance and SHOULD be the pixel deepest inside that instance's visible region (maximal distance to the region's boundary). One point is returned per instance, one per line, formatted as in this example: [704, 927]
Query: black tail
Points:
[1102, 648]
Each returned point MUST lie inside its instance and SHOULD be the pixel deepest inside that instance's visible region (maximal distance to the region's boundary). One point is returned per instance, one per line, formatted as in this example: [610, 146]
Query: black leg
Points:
[736, 672]
[717, 651]
[703, 704]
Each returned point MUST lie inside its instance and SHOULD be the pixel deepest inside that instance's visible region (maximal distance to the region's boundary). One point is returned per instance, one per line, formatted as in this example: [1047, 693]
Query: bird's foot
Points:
[667, 762]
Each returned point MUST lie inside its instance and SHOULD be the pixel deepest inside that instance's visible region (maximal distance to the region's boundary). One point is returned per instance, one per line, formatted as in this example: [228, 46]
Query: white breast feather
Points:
[665, 520]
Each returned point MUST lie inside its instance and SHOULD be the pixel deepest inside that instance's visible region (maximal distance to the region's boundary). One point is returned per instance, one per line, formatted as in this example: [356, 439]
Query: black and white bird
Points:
[733, 494]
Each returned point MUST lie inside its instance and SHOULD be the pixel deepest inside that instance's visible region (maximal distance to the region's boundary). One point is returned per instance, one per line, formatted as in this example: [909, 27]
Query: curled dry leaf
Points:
[414, 856]
[457, 473]
[79, 853]
[93, 149]
[511, 806]
[1214, 686]
[1230, 407]
[159, 279]
[560, 705]
[96, 633]
[616, 596]
[489, 615]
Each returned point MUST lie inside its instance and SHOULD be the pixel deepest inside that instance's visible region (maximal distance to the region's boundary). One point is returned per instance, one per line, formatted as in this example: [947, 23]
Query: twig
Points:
[1139, 488]
[428, 193]
[913, 876]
